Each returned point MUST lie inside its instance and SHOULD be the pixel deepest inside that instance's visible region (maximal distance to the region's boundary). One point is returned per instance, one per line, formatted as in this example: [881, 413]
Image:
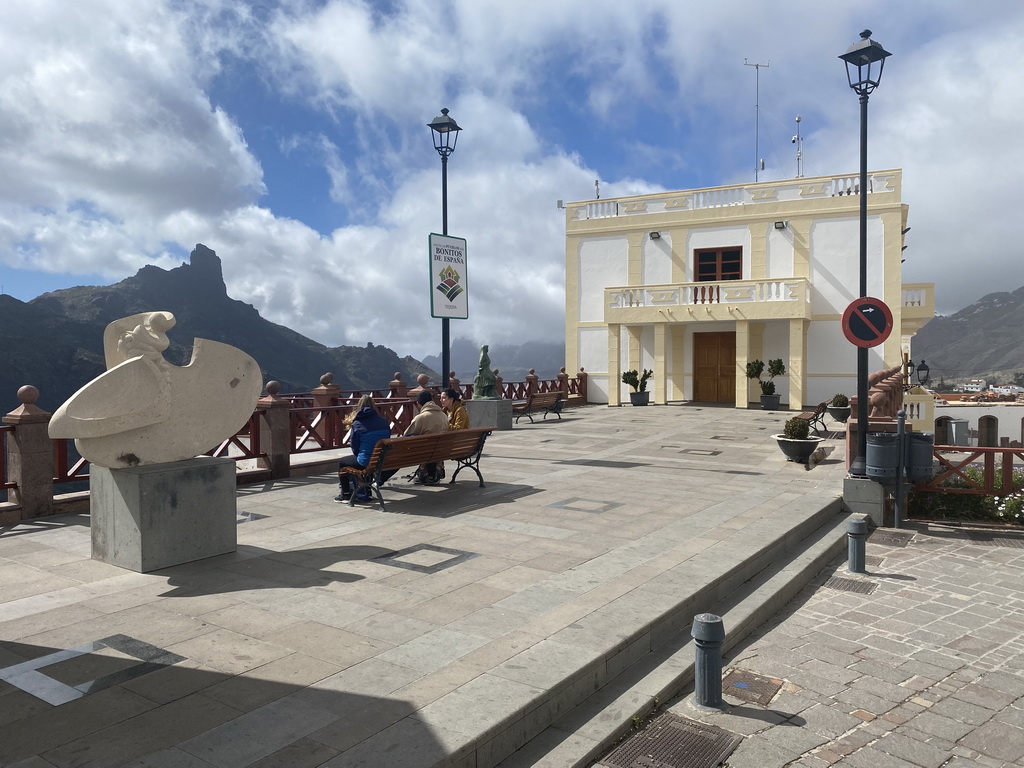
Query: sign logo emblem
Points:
[449, 285]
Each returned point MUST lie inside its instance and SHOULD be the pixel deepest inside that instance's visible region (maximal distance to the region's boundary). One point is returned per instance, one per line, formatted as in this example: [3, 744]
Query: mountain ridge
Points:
[982, 340]
[55, 341]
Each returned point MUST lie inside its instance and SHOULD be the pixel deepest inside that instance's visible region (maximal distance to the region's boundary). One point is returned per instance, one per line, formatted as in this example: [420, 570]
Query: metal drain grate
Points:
[891, 538]
[747, 686]
[671, 741]
[850, 585]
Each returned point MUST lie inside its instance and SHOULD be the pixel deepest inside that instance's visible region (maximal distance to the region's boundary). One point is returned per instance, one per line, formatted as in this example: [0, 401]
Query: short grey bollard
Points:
[856, 535]
[708, 634]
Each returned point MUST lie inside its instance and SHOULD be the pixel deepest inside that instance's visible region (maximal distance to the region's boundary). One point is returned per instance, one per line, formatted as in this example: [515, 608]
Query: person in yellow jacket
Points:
[430, 420]
[458, 416]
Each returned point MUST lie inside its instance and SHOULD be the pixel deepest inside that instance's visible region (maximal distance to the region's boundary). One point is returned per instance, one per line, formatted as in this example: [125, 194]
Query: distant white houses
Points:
[975, 385]
[1008, 389]
[694, 284]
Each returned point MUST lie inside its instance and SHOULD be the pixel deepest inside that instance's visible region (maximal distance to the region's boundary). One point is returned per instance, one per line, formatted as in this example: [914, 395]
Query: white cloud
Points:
[115, 151]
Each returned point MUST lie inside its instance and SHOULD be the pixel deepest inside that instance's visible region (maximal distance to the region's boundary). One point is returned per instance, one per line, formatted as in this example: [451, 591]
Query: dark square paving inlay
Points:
[248, 517]
[426, 558]
[578, 504]
[30, 676]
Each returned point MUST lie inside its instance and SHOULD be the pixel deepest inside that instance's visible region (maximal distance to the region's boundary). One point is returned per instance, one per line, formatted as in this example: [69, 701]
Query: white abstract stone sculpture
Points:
[144, 410]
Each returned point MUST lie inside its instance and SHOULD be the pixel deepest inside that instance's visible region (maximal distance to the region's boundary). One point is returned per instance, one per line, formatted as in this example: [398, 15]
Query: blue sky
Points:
[291, 138]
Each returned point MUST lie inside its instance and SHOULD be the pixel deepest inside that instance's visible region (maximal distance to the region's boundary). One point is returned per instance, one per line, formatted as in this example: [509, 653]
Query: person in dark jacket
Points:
[367, 428]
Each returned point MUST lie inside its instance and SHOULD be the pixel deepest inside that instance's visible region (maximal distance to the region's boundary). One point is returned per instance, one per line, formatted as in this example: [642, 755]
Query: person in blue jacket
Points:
[367, 428]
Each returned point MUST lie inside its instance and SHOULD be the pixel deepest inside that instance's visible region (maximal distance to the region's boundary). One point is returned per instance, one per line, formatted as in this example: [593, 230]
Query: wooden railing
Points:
[995, 481]
[68, 465]
[315, 422]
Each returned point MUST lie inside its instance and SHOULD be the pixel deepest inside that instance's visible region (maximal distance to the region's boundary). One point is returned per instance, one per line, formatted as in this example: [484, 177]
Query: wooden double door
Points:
[714, 367]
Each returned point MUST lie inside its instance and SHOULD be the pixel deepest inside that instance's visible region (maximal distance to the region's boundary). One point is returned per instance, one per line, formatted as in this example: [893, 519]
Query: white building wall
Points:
[657, 263]
[835, 266]
[779, 257]
[602, 263]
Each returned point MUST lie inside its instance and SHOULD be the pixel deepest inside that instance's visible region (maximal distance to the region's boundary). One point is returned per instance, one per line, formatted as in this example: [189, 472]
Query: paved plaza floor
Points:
[917, 664]
[463, 621]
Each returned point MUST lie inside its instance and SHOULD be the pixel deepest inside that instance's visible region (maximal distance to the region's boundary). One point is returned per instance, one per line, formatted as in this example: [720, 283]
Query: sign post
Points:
[449, 285]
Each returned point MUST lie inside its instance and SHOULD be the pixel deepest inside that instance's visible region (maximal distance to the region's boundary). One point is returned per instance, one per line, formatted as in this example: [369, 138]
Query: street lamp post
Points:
[865, 61]
[446, 134]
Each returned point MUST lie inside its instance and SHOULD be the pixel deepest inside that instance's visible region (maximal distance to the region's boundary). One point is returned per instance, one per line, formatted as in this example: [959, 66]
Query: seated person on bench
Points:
[368, 428]
[430, 420]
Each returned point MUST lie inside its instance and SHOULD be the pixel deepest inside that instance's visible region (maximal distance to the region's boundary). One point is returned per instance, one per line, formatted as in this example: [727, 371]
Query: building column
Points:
[635, 351]
[742, 357]
[614, 364]
[758, 249]
[797, 363]
[660, 364]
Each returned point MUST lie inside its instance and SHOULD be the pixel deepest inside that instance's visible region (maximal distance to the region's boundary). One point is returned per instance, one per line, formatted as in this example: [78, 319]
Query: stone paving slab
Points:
[929, 699]
[448, 631]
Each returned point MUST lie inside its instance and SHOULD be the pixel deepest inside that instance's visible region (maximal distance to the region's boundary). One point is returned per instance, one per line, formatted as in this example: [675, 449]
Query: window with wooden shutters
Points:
[716, 264]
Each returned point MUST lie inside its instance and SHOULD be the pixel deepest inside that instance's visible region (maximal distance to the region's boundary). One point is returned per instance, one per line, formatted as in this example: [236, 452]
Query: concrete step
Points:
[745, 595]
[630, 652]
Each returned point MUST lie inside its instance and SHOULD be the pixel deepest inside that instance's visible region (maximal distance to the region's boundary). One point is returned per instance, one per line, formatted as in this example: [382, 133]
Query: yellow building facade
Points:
[694, 284]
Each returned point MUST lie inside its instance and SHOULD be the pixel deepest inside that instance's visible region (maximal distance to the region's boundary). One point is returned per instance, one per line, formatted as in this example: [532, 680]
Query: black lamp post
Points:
[446, 134]
[865, 61]
[923, 372]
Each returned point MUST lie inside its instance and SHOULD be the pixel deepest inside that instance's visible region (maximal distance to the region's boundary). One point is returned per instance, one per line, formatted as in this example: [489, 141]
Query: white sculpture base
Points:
[490, 413]
[158, 515]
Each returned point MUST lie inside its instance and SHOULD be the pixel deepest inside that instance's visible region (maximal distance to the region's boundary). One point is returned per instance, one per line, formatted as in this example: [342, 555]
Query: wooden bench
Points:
[463, 446]
[549, 402]
[815, 417]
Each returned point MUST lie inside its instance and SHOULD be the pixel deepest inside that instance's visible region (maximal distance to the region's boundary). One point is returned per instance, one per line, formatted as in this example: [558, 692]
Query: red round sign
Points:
[867, 322]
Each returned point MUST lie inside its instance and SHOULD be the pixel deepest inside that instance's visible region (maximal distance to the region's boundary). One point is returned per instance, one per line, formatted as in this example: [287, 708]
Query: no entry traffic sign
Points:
[867, 322]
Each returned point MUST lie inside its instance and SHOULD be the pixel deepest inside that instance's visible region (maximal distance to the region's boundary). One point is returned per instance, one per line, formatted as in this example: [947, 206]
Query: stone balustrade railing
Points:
[283, 427]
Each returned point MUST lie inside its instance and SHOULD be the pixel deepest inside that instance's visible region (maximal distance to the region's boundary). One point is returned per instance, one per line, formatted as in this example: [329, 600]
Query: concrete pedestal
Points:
[158, 515]
[865, 497]
[490, 413]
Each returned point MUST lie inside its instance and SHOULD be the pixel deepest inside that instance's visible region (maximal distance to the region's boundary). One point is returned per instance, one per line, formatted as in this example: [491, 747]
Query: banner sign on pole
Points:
[449, 287]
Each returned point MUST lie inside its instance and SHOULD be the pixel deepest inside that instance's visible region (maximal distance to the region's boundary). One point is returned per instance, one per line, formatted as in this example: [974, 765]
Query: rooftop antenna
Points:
[597, 188]
[758, 160]
[799, 150]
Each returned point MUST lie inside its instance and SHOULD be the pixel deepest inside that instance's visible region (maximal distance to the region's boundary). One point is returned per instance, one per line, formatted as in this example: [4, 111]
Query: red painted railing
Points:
[311, 428]
[956, 470]
[68, 465]
[244, 444]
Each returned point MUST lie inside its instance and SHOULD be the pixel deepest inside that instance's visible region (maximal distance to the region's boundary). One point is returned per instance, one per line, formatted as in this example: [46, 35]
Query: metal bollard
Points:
[708, 634]
[856, 535]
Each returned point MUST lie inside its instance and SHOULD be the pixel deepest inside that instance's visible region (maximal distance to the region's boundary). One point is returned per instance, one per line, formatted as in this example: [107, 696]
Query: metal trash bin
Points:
[919, 457]
[883, 454]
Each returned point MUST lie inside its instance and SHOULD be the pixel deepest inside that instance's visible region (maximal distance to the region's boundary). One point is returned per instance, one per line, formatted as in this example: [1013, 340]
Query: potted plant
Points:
[839, 408]
[755, 369]
[638, 381]
[796, 441]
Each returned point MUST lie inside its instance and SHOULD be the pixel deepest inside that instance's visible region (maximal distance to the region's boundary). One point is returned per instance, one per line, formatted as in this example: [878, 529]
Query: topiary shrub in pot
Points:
[839, 408]
[796, 441]
[755, 368]
[638, 381]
